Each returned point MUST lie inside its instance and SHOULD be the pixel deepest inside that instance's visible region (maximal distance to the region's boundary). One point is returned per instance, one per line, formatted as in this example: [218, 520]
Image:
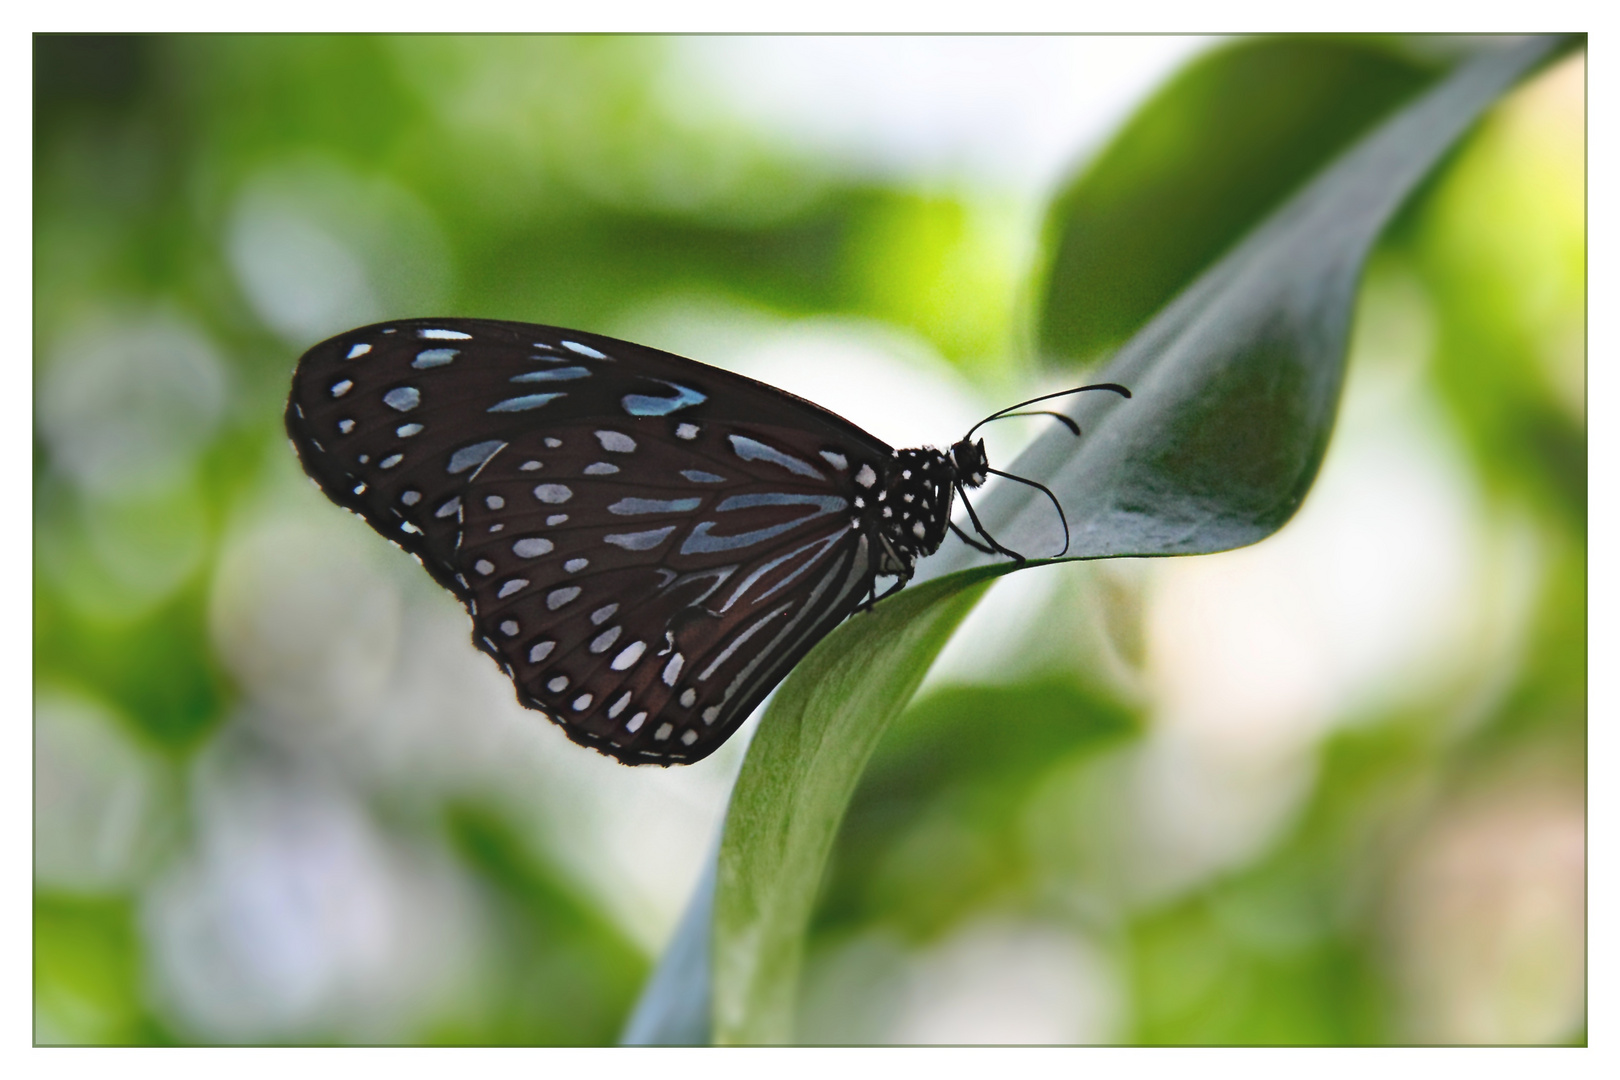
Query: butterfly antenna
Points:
[1066, 421]
[1000, 414]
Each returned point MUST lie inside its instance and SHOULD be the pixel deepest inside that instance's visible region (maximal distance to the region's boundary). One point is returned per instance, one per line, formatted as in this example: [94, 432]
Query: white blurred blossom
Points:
[98, 801]
[317, 249]
[126, 401]
[296, 918]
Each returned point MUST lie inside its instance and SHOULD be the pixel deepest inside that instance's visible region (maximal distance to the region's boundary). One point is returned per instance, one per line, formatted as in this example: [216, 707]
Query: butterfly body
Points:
[646, 544]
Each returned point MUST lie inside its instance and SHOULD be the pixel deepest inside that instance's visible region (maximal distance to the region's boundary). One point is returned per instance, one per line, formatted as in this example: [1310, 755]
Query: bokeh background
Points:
[1328, 789]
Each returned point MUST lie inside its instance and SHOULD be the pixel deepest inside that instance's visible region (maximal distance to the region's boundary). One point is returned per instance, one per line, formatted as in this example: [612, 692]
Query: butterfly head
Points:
[972, 466]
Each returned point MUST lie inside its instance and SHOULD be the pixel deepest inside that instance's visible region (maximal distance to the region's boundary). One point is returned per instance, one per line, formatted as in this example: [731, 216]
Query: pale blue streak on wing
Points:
[643, 405]
[476, 454]
[523, 404]
[737, 642]
[700, 539]
[639, 541]
[654, 506]
[561, 374]
[825, 596]
[748, 582]
[754, 450]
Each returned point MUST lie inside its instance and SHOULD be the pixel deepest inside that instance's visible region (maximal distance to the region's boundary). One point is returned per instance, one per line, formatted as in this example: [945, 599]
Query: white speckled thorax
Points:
[910, 510]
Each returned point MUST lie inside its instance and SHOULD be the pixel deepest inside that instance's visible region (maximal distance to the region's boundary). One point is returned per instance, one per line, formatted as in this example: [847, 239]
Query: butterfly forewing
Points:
[645, 544]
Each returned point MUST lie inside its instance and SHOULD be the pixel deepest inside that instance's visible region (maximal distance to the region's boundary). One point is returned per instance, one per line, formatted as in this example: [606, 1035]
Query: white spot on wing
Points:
[553, 493]
[619, 706]
[689, 736]
[672, 670]
[635, 722]
[513, 586]
[531, 547]
[541, 651]
[663, 731]
[604, 641]
[358, 350]
[629, 655]
[403, 398]
[688, 697]
[443, 335]
[601, 468]
[405, 431]
[866, 477]
[686, 431]
[584, 350]
[558, 685]
[509, 628]
[837, 461]
[341, 387]
[556, 598]
[574, 566]
[432, 358]
[616, 442]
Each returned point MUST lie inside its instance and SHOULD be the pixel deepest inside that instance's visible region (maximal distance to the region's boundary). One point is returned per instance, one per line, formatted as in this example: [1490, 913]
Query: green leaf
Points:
[734, 960]
[800, 773]
[1236, 382]
[1203, 161]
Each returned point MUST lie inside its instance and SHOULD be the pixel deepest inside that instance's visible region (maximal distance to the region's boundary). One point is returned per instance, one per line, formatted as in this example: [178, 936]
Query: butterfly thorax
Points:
[909, 513]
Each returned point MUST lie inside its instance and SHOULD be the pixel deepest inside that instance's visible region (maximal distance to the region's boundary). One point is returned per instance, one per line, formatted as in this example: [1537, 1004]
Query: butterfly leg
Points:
[899, 584]
[982, 531]
[970, 542]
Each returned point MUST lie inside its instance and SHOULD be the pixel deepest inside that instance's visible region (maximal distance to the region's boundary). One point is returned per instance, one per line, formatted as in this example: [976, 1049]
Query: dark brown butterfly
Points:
[646, 544]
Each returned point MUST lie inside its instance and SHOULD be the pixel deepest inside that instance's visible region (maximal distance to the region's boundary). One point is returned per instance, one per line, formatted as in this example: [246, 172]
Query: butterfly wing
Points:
[646, 544]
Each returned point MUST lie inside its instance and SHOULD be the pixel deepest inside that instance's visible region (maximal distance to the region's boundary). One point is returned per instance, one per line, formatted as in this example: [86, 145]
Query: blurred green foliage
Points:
[567, 975]
[549, 179]
[87, 973]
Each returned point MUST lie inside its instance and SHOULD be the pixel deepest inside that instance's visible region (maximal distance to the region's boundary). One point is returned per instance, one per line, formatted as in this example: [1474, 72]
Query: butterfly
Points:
[646, 544]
